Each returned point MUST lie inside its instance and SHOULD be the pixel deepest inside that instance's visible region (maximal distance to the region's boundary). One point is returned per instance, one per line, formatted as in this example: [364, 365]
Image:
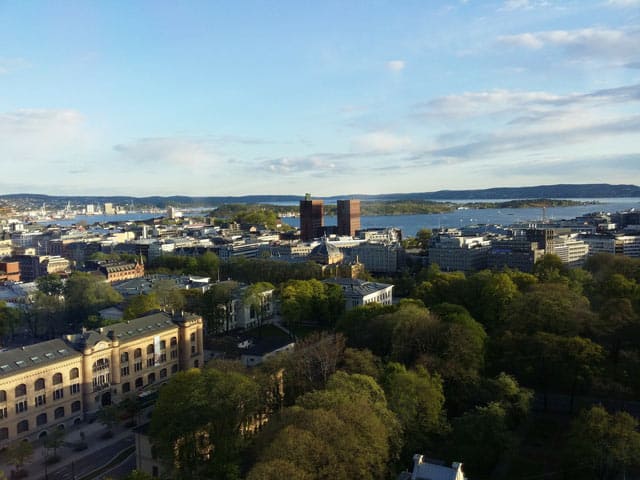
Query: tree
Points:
[343, 432]
[9, 319]
[86, 294]
[313, 360]
[200, 422]
[108, 416]
[361, 361]
[139, 305]
[549, 307]
[17, 453]
[550, 268]
[480, 437]
[53, 441]
[255, 296]
[278, 469]
[367, 327]
[608, 444]
[168, 294]
[311, 301]
[217, 305]
[50, 285]
[417, 399]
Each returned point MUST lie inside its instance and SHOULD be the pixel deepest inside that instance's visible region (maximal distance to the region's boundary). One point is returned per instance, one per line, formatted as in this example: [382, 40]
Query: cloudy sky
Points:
[332, 97]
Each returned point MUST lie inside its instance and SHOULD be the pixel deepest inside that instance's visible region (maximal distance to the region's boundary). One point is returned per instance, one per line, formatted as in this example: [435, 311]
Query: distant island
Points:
[404, 200]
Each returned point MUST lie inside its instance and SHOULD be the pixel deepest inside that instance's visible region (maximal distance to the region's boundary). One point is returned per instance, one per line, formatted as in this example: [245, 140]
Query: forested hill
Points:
[602, 190]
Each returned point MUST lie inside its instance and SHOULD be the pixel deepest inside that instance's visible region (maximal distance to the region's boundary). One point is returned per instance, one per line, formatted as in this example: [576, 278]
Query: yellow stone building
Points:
[57, 383]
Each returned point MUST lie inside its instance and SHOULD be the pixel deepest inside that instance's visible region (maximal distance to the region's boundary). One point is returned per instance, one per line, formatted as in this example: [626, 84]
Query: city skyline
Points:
[202, 98]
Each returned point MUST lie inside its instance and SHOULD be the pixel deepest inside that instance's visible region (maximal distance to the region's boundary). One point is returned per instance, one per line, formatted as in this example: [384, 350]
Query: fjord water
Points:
[410, 224]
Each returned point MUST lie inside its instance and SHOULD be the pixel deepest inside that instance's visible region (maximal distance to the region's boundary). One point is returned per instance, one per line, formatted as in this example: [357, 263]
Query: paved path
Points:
[99, 453]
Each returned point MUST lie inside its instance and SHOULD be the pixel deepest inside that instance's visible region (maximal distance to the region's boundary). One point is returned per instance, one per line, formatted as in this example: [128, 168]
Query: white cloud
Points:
[584, 43]
[396, 65]
[10, 65]
[381, 142]
[624, 3]
[314, 164]
[473, 104]
[175, 151]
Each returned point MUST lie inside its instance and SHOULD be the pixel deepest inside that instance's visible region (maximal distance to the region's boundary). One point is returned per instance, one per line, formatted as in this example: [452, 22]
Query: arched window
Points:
[39, 384]
[124, 357]
[74, 373]
[76, 406]
[137, 353]
[173, 342]
[3, 395]
[139, 382]
[152, 377]
[174, 368]
[41, 419]
[163, 373]
[4, 433]
[57, 378]
[193, 337]
[59, 412]
[23, 426]
[163, 345]
[21, 390]
[150, 349]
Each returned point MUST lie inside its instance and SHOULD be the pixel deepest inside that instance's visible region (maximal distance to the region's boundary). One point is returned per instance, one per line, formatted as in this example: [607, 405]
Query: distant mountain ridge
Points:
[596, 190]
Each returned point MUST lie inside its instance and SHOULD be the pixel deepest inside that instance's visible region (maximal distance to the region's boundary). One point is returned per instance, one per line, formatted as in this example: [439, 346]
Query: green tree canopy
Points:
[139, 305]
[608, 444]
[199, 422]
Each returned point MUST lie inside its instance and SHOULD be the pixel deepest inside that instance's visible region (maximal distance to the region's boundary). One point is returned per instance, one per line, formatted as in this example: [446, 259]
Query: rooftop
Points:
[35, 356]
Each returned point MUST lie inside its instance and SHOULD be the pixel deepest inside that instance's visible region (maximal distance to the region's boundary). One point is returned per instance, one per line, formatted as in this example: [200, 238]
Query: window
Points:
[58, 394]
[3, 395]
[57, 379]
[174, 368]
[163, 357]
[137, 353]
[137, 366]
[124, 357]
[151, 378]
[139, 382]
[76, 406]
[163, 373]
[124, 371]
[41, 419]
[74, 373]
[101, 364]
[126, 387]
[21, 406]
[21, 390]
[173, 342]
[150, 349]
[23, 426]
[193, 349]
[196, 364]
[3, 412]
[39, 384]
[192, 337]
[4, 433]
[41, 400]
[174, 354]
[163, 344]
[59, 412]
[151, 362]
[75, 388]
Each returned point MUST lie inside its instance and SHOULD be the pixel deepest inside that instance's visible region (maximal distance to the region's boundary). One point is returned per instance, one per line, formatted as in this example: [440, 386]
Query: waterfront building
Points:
[517, 252]
[348, 217]
[61, 382]
[311, 218]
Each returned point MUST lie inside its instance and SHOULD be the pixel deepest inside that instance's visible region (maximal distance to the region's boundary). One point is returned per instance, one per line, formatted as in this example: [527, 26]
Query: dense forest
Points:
[516, 375]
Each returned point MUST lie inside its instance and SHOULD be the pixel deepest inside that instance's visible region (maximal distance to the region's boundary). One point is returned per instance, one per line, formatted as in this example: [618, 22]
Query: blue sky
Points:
[332, 97]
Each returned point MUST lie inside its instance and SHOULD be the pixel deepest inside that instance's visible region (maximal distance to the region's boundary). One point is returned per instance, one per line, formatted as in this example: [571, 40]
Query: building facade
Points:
[311, 218]
[348, 217]
[60, 382]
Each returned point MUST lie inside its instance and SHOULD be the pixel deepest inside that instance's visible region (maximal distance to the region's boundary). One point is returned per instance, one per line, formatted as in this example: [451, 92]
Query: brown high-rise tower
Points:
[348, 217]
[311, 218]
